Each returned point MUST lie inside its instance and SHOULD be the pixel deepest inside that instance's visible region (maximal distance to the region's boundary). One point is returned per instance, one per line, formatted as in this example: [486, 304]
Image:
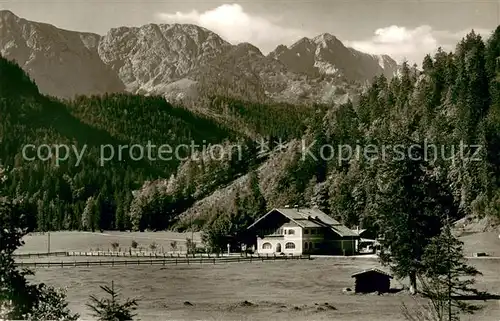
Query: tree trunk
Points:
[413, 283]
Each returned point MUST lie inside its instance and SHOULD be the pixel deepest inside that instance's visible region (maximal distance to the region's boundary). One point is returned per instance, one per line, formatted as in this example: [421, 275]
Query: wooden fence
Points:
[30, 255]
[169, 261]
[140, 255]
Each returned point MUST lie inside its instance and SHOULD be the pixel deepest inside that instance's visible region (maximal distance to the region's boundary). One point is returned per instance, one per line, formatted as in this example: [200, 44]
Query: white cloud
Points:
[412, 44]
[232, 23]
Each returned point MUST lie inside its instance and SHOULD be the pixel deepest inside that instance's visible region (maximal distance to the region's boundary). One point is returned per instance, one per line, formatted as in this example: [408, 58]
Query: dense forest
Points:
[452, 101]
[90, 193]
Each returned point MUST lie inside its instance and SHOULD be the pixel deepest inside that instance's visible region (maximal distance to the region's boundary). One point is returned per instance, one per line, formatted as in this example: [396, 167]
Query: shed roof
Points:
[372, 270]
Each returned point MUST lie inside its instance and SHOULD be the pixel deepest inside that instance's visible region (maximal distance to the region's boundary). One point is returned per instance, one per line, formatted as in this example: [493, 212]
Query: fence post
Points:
[113, 263]
[87, 263]
[62, 264]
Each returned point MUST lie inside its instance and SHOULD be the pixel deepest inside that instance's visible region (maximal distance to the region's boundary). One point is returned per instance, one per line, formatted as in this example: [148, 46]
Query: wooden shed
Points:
[372, 280]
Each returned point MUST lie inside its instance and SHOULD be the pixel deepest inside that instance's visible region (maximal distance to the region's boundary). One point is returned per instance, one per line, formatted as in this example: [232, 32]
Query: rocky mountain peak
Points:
[7, 14]
[63, 63]
[326, 55]
[158, 58]
[327, 39]
[248, 48]
[149, 57]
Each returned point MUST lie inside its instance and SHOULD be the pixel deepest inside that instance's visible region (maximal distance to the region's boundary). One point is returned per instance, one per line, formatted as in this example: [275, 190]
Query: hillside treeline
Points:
[452, 101]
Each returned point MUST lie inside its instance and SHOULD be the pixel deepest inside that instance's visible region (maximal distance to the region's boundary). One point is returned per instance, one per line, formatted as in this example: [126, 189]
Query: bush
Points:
[173, 245]
[134, 244]
[115, 246]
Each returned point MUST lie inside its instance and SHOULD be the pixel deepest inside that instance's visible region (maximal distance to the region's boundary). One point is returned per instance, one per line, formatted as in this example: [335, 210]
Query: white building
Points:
[302, 231]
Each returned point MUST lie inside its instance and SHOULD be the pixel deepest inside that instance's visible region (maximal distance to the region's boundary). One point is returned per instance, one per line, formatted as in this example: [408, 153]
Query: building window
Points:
[313, 231]
[267, 246]
[306, 231]
[306, 245]
[289, 245]
[291, 232]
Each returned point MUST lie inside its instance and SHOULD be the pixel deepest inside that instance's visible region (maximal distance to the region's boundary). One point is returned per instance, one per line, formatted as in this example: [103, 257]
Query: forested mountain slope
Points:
[450, 109]
[103, 144]
[454, 101]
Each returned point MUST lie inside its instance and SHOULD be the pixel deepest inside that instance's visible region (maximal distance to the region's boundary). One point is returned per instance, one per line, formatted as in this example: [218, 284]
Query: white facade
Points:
[302, 231]
[287, 239]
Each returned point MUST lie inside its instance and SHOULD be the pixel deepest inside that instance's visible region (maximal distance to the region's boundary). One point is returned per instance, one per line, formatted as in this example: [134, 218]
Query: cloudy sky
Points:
[401, 28]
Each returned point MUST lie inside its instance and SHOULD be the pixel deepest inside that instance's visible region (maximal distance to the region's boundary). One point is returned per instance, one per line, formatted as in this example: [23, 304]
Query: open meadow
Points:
[281, 290]
[88, 241]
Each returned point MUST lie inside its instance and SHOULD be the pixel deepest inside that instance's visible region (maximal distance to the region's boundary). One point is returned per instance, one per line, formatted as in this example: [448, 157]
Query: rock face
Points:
[63, 63]
[150, 57]
[326, 55]
[180, 61]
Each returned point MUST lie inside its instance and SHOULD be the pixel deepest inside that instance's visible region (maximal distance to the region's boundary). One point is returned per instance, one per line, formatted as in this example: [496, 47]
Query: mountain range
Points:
[184, 61]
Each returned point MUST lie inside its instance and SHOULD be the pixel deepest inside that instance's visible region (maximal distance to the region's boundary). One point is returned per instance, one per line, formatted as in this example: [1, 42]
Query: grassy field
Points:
[85, 241]
[487, 242]
[286, 290]
[295, 290]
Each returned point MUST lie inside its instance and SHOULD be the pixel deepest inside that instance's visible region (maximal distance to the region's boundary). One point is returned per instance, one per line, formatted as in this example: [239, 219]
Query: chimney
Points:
[296, 207]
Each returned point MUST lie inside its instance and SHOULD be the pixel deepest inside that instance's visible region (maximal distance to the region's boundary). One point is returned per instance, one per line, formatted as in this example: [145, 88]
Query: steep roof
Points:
[311, 217]
[372, 270]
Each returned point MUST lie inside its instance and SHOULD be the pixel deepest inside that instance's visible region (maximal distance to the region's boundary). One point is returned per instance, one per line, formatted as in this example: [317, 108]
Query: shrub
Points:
[115, 245]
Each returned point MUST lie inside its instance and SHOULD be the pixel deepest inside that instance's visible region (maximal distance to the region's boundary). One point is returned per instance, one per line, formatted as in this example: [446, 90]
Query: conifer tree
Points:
[111, 309]
[19, 298]
[408, 206]
[448, 276]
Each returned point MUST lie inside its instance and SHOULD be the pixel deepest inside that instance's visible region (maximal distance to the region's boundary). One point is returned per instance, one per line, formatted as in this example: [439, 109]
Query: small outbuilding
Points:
[372, 280]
